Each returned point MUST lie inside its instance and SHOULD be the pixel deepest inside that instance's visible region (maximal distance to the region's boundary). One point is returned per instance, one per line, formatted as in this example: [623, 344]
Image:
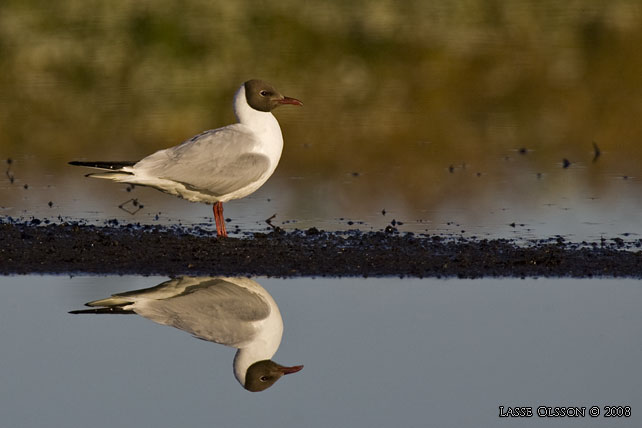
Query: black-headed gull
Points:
[218, 165]
[235, 312]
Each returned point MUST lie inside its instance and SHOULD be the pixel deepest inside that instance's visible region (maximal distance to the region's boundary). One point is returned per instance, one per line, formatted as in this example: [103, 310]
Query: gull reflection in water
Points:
[235, 312]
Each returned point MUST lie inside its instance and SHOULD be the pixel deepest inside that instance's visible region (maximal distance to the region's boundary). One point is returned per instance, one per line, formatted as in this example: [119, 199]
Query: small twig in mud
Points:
[596, 151]
[8, 173]
[269, 221]
[134, 202]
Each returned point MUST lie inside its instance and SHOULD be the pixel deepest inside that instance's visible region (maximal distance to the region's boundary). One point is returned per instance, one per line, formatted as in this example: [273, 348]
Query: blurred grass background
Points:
[395, 92]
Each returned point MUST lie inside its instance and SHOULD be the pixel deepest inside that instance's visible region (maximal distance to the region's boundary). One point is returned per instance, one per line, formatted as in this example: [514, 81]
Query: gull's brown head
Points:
[262, 96]
[263, 374]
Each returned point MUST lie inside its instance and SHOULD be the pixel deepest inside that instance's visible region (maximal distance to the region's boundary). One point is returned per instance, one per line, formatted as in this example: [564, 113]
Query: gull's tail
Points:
[117, 171]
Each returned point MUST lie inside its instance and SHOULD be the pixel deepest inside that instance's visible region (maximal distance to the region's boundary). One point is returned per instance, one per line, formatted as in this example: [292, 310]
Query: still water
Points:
[377, 352]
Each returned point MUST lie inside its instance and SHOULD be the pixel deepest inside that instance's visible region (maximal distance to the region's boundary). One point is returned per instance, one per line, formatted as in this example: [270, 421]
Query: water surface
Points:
[377, 352]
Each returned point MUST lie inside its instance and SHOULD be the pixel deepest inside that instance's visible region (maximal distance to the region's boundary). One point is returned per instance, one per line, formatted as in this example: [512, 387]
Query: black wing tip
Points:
[114, 310]
[113, 166]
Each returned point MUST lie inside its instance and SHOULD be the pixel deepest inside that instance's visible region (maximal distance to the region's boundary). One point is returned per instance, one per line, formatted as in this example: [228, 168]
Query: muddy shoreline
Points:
[71, 248]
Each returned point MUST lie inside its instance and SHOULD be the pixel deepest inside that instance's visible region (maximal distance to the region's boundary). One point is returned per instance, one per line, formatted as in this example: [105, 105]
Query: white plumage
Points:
[218, 165]
[236, 312]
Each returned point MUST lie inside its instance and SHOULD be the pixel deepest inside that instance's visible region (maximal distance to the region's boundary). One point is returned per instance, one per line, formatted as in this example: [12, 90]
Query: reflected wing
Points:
[215, 310]
[164, 290]
[219, 161]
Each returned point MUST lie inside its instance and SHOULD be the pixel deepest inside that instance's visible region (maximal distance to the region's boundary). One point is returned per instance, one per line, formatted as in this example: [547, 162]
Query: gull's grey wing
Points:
[165, 290]
[218, 161]
[215, 310]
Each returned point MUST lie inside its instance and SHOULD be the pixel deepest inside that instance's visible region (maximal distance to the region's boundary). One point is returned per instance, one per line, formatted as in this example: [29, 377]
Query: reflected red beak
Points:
[293, 101]
[293, 369]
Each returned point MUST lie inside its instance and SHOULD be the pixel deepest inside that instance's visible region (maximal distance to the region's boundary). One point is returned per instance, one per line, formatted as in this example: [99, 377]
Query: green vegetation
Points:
[416, 84]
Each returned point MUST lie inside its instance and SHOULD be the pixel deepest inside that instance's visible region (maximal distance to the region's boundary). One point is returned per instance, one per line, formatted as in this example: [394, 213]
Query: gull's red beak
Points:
[288, 370]
[293, 101]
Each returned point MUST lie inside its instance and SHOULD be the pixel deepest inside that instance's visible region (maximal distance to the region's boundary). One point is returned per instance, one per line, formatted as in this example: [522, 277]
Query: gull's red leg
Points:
[218, 227]
[219, 219]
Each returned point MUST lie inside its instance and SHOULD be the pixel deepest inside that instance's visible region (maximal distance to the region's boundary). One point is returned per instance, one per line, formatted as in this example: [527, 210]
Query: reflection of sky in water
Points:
[377, 352]
[560, 201]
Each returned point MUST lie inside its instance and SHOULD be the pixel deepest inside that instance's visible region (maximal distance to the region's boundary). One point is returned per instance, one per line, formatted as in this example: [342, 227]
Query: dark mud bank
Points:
[31, 247]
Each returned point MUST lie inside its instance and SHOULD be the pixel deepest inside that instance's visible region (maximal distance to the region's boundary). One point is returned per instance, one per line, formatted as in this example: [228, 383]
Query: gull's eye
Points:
[264, 93]
[263, 378]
